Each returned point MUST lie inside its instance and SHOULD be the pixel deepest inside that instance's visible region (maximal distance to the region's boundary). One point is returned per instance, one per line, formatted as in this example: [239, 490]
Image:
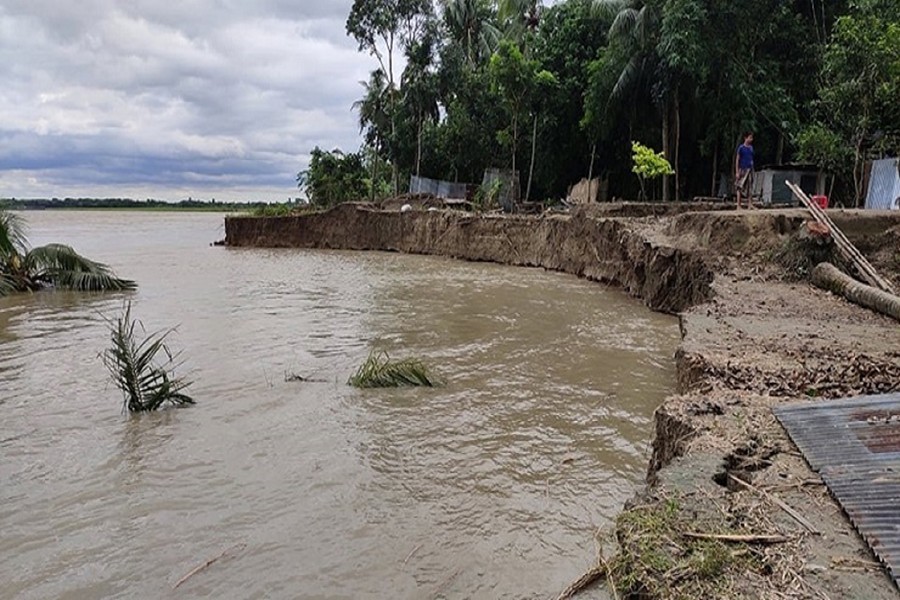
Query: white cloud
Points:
[207, 98]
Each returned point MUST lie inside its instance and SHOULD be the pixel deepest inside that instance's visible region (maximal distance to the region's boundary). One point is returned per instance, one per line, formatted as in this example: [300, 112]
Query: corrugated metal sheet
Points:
[884, 185]
[854, 444]
[441, 189]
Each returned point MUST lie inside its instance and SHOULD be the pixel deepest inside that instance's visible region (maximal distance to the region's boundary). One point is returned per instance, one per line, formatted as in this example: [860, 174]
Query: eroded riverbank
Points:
[751, 337]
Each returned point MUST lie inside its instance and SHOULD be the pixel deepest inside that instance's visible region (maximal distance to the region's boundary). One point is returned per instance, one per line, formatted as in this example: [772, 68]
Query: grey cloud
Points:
[209, 95]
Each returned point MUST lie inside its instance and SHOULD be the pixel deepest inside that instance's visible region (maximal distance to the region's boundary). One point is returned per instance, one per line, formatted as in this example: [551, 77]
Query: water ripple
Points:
[538, 438]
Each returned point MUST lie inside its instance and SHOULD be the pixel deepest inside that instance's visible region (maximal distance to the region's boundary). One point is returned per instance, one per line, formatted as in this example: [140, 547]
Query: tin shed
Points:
[770, 188]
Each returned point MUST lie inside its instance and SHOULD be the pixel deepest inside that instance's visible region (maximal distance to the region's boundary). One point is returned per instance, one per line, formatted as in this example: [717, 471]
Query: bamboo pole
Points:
[850, 252]
[866, 270]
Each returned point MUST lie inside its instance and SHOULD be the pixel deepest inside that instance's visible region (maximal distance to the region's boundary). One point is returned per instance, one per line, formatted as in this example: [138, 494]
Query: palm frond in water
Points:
[7, 283]
[380, 370]
[12, 233]
[146, 383]
[59, 265]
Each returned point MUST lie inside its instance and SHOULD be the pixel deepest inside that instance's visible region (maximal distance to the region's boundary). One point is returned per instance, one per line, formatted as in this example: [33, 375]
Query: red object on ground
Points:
[822, 201]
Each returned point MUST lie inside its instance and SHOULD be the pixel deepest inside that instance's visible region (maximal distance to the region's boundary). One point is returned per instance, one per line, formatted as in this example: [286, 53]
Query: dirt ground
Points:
[766, 337]
[755, 334]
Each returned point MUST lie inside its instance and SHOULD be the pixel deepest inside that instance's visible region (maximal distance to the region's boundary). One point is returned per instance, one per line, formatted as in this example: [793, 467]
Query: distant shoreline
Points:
[211, 209]
[35, 204]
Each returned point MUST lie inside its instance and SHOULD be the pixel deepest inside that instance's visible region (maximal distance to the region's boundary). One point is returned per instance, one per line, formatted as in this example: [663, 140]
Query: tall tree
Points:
[635, 31]
[374, 119]
[381, 28]
[519, 82]
[860, 88]
[470, 25]
[521, 18]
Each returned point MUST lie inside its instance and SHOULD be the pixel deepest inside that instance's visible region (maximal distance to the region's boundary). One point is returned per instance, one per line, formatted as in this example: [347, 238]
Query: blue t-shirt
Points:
[745, 157]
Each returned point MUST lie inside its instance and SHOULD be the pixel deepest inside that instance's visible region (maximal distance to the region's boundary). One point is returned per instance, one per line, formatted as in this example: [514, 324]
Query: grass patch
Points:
[380, 371]
[657, 561]
[144, 369]
[283, 209]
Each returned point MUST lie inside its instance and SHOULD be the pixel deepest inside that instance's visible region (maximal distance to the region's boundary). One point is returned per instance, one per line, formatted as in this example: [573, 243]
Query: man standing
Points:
[743, 170]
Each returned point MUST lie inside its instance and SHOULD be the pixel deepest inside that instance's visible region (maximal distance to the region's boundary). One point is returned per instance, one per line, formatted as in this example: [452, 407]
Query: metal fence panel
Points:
[449, 190]
[884, 185]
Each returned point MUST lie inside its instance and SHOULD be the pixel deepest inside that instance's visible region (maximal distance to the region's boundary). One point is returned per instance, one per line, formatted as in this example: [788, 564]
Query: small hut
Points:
[768, 184]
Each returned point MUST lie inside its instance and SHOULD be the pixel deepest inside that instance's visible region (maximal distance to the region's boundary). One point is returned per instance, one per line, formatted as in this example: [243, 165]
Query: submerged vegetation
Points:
[144, 369]
[380, 370]
[24, 269]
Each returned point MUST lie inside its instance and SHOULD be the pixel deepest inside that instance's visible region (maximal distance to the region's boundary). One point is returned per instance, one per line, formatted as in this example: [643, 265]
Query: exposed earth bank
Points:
[754, 334]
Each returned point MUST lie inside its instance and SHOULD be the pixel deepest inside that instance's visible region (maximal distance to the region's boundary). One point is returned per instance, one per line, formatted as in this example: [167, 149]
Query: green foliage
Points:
[282, 209]
[689, 73]
[647, 164]
[381, 371]
[334, 177]
[144, 370]
[470, 25]
[487, 196]
[819, 145]
[521, 84]
[860, 86]
[371, 21]
[25, 269]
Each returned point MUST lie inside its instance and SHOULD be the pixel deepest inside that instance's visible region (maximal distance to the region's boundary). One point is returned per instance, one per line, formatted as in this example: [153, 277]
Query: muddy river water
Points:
[489, 487]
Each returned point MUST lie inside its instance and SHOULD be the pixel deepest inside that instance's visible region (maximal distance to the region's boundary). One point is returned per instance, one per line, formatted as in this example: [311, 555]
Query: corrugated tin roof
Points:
[884, 184]
[854, 444]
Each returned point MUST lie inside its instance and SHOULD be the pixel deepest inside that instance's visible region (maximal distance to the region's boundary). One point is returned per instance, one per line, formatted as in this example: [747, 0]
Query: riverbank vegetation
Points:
[25, 269]
[143, 369]
[380, 371]
[560, 92]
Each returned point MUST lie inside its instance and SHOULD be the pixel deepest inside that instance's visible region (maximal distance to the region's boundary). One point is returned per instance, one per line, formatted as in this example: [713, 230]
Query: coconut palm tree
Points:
[374, 117]
[24, 269]
[470, 26]
[521, 17]
[635, 31]
[634, 28]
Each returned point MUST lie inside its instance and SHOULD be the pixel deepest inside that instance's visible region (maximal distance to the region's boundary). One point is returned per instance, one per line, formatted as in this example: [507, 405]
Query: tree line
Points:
[562, 91]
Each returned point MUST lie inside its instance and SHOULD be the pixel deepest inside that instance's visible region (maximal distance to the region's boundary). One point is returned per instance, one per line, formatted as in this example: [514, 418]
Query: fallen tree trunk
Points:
[829, 277]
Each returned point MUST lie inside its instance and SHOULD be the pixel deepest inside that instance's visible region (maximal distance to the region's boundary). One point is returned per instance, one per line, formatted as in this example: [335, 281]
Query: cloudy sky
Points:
[168, 99]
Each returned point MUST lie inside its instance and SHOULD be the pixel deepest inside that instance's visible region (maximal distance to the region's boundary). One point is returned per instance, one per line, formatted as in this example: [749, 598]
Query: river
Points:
[489, 487]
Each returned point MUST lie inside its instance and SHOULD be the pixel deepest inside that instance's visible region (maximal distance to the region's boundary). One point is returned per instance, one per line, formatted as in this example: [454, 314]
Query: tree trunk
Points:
[828, 277]
[374, 171]
[779, 153]
[533, 151]
[419, 147]
[815, 19]
[515, 144]
[715, 169]
[395, 173]
[857, 173]
[591, 167]
[677, 146]
[665, 149]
